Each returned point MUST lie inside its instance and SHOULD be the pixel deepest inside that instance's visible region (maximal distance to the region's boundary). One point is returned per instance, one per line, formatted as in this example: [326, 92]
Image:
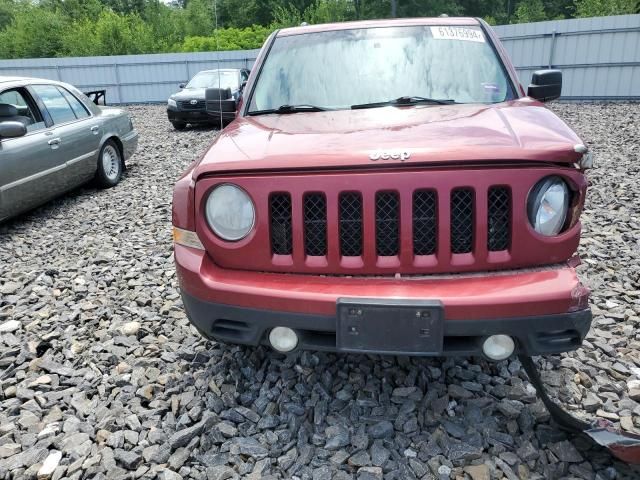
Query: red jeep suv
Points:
[387, 187]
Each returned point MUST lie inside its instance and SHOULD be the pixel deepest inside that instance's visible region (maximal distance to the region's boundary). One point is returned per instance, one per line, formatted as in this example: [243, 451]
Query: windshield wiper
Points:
[403, 101]
[284, 109]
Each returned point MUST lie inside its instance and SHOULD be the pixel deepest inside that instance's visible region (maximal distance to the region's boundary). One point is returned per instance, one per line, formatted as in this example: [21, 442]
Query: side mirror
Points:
[219, 100]
[12, 129]
[182, 85]
[546, 85]
[242, 85]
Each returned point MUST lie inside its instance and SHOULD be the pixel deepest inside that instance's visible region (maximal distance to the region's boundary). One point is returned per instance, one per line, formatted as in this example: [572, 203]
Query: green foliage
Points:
[198, 18]
[245, 13]
[33, 32]
[228, 39]
[321, 11]
[74, 9]
[47, 28]
[599, 8]
[490, 20]
[530, 11]
[6, 13]
[111, 34]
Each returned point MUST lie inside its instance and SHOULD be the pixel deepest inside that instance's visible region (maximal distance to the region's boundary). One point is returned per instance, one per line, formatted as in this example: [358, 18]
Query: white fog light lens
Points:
[283, 339]
[498, 347]
[230, 212]
[548, 205]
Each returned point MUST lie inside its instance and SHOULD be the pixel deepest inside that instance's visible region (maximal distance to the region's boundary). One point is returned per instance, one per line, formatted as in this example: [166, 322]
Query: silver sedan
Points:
[52, 139]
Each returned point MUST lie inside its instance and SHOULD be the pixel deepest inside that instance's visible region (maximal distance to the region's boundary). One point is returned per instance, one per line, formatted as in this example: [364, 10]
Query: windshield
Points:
[338, 69]
[228, 79]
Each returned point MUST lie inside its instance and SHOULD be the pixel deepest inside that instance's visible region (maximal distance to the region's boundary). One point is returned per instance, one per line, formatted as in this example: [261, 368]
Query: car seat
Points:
[9, 113]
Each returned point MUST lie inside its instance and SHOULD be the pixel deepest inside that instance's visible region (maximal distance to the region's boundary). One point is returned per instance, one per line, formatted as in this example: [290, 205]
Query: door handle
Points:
[95, 129]
[54, 143]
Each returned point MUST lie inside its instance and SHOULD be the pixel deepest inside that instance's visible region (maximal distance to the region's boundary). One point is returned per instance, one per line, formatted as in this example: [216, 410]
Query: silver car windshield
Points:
[214, 79]
[338, 69]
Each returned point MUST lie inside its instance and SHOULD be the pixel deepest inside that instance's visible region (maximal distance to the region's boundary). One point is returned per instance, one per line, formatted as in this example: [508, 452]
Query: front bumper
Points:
[198, 116]
[534, 335]
[545, 310]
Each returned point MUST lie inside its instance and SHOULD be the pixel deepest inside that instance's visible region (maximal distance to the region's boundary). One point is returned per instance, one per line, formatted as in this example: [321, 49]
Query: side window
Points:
[57, 106]
[17, 106]
[76, 106]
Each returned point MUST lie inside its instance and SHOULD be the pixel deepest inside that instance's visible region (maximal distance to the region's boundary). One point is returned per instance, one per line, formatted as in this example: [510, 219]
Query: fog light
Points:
[498, 347]
[283, 339]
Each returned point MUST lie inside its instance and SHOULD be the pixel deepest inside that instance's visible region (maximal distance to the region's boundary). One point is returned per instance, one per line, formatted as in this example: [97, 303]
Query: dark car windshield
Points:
[215, 79]
[338, 69]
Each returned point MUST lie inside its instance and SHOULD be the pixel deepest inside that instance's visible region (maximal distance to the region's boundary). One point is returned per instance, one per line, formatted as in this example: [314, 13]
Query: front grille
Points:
[387, 224]
[425, 224]
[462, 226]
[499, 219]
[350, 224]
[315, 224]
[187, 105]
[281, 228]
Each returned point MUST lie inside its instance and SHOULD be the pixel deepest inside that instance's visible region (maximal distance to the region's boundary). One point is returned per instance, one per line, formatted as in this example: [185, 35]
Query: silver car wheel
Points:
[111, 163]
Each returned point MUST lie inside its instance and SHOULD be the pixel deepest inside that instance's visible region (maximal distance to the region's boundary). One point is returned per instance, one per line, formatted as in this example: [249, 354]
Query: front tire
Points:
[109, 165]
[179, 125]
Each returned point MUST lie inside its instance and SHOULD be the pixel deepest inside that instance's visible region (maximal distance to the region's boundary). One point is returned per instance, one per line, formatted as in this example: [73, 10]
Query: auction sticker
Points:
[457, 33]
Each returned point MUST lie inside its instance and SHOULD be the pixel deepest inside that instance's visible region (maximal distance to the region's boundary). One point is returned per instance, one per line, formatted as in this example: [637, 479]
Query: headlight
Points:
[548, 205]
[172, 103]
[230, 212]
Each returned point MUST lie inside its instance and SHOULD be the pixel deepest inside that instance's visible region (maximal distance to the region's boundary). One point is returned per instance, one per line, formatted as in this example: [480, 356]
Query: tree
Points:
[166, 22]
[33, 32]
[321, 11]
[7, 8]
[228, 39]
[111, 34]
[74, 9]
[244, 13]
[45, 28]
[199, 19]
[530, 11]
[126, 6]
[599, 8]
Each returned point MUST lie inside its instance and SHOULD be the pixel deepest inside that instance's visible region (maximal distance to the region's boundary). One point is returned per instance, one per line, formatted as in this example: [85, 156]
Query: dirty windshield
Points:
[341, 68]
[215, 79]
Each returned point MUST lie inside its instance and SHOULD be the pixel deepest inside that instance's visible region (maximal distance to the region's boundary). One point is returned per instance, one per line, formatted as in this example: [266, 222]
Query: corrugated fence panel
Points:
[129, 78]
[599, 57]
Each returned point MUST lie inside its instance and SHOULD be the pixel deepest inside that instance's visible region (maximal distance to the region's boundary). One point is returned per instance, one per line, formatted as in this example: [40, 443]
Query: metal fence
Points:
[599, 57]
[129, 78]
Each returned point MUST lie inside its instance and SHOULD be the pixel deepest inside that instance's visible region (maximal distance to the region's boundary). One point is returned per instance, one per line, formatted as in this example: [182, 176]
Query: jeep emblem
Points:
[390, 155]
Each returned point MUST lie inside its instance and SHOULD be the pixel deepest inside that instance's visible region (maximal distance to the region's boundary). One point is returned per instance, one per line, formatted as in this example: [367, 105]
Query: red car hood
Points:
[520, 130]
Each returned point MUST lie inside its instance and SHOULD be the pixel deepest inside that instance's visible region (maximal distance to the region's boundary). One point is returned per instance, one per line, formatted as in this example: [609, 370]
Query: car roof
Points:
[211, 70]
[396, 22]
[12, 79]
[28, 80]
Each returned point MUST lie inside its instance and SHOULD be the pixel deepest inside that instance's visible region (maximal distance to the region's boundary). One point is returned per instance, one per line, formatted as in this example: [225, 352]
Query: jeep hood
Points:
[521, 130]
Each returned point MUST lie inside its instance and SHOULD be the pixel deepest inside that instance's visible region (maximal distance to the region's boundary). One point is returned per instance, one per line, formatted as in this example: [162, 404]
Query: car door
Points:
[76, 132]
[30, 172]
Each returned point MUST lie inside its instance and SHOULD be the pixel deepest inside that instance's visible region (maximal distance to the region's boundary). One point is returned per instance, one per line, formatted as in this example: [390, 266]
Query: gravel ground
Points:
[101, 375]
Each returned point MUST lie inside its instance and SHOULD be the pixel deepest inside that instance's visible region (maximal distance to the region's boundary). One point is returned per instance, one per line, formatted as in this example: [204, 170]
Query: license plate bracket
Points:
[390, 326]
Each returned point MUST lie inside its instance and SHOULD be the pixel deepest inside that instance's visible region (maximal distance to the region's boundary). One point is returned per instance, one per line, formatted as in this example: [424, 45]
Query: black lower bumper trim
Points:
[534, 335]
[199, 116]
